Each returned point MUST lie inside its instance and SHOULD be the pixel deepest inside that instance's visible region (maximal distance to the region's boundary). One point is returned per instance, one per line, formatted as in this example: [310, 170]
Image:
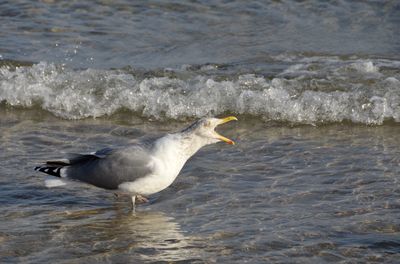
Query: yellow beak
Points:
[223, 121]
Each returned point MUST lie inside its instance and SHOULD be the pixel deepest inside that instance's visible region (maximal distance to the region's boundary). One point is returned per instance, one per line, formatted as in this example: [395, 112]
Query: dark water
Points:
[313, 178]
[104, 34]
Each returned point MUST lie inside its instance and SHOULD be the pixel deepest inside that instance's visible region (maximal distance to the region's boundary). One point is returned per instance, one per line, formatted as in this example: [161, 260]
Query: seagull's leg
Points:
[141, 199]
[133, 202]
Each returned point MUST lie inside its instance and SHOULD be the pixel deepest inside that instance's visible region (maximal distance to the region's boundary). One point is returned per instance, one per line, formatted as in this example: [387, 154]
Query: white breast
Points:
[167, 161]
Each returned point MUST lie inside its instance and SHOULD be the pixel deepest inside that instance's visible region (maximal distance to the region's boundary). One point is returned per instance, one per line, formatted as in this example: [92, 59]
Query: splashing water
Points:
[311, 91]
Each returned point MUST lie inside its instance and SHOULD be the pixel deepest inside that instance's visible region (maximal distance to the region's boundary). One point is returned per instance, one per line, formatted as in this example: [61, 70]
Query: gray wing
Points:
[109, 168]
[77, 158]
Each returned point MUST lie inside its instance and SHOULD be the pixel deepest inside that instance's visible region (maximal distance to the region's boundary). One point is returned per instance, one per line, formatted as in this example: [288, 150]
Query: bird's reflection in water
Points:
[103, 235]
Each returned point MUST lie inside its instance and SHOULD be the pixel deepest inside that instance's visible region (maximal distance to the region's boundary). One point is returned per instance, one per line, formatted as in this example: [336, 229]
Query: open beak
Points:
[223, 121]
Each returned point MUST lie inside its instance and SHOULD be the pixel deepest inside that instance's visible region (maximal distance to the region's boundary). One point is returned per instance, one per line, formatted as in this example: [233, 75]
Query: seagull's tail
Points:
[58, 167]
[51, 170]
[54, 167]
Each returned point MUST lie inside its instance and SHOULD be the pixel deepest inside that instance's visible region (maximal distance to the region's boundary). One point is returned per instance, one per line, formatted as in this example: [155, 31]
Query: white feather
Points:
[169, 155]
[51, 182]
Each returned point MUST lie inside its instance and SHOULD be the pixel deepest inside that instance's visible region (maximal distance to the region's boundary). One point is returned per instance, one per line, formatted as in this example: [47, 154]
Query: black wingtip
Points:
[53, 171]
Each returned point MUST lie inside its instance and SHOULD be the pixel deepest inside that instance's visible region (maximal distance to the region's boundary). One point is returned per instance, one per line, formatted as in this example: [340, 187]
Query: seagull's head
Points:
[205, 129]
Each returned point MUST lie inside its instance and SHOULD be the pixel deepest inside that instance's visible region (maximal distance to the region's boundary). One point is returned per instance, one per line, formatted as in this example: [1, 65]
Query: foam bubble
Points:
[364, 67]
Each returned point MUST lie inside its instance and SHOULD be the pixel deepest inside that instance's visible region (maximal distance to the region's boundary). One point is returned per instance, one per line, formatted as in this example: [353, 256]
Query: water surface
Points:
[281, 194]
[313, 178]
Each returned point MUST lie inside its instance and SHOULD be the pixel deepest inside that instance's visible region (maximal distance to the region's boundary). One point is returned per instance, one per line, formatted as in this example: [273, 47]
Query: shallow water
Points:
[281, 194]
[313, 178]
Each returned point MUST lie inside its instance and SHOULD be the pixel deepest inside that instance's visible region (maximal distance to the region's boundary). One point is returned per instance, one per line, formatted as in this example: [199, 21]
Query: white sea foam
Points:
[365, 67]
[307, 92]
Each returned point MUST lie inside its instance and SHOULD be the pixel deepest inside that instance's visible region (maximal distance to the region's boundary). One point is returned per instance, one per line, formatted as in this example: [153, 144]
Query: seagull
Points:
[141, 168]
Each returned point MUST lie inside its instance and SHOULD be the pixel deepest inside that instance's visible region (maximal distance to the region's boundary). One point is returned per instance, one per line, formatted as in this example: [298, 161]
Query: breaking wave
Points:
[310, 90]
